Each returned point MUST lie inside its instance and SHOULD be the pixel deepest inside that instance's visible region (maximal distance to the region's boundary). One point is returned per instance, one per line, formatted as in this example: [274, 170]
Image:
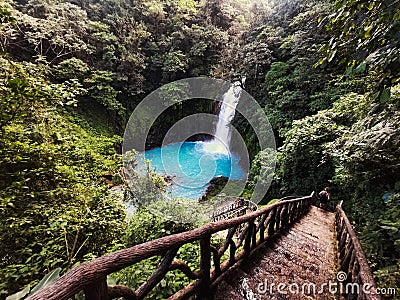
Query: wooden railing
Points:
[233, 210]
[91, 277]
[357, 281]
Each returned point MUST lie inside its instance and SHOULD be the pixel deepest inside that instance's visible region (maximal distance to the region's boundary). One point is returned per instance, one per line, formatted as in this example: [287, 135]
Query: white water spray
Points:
[222, 136]
[227, 113]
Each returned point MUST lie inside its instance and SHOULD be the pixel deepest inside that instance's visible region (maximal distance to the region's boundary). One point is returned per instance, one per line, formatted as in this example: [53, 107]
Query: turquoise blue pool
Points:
[191, 165]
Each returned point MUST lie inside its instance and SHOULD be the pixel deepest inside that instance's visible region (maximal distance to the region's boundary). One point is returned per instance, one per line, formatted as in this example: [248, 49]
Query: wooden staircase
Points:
[299, 259]
[288, 250]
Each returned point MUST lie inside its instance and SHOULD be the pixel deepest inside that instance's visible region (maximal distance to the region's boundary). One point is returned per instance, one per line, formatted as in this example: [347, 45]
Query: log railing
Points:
[357, 281]
[233, 210]
[259, 226]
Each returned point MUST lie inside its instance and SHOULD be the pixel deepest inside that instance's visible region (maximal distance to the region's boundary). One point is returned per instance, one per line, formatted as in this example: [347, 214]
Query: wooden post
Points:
[158, 275]
[119, 291]
[284, 215]
[247, 241]
[254, 237]
[232, 252]
[278, 218]
[97, 291]
[205, 266]
[216, 260]
[271, 226]
[262, 231]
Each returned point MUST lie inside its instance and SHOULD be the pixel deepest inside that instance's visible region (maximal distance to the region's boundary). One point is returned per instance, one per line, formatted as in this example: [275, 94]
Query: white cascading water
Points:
[227, 113]
[222, 136]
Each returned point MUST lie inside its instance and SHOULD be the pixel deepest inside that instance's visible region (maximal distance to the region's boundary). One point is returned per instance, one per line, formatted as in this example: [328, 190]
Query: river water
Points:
[191, 165]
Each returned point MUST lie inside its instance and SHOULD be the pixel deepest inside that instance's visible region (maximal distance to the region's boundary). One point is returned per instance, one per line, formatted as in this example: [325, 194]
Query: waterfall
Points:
[222, 135]
[226, 114]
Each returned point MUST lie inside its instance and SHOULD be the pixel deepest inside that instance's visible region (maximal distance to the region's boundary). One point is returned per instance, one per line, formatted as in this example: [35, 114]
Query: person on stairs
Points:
[324, 198]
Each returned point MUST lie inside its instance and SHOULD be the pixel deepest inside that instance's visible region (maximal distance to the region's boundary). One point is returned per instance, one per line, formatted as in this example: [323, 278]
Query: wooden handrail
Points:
[233, 210]
[91, 276]
[353, 261]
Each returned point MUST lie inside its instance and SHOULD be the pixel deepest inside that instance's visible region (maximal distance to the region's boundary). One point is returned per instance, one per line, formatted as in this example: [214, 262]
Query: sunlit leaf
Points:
[384, 96]
[20, 294]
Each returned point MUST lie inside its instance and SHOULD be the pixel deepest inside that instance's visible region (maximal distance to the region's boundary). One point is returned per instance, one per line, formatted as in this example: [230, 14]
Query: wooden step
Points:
[301, 257]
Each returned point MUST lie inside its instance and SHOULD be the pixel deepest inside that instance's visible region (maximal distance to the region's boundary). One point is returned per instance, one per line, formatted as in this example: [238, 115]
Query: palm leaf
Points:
[47, 280]
[20, 294]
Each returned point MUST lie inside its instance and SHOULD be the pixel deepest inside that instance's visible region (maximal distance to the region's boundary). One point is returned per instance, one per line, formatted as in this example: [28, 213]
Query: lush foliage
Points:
[365, 38]
[115, 49]
[278, 57]
[71, 72]
[355, 147]
[367, 175]
[261, 172]
[54, 210]
[332, 129]
[149, 223]
[82, 66]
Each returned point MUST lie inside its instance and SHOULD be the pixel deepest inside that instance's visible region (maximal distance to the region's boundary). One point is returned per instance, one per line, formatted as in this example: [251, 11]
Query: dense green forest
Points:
[326, 73]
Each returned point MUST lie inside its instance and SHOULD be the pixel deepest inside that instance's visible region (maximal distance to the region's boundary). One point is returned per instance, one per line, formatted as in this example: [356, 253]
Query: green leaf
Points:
[371, 6]
[385, 96]
[367, 33]
[47, 280]
[349, 71]
[20, 294]
[390, 228]
[361, 68]
[375, 96]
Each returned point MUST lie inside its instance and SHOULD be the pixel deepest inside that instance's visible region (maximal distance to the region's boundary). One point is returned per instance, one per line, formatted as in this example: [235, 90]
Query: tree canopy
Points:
[326, 73]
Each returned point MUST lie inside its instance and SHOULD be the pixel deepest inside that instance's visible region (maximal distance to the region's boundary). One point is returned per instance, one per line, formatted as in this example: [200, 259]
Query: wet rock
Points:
[216, 185]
